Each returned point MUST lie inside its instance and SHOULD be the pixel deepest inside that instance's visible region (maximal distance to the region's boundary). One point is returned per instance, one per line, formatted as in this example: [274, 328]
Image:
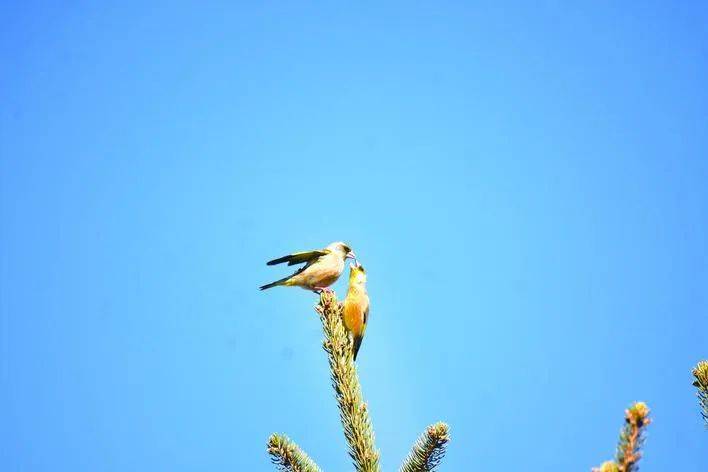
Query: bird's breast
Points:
[324, 272]
[355, 306]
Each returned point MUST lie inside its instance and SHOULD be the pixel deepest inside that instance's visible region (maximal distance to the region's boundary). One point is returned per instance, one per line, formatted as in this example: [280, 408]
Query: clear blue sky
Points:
[525, 183]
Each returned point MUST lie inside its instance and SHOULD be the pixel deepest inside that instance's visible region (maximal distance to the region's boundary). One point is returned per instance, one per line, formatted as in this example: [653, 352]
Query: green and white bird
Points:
[322, 267]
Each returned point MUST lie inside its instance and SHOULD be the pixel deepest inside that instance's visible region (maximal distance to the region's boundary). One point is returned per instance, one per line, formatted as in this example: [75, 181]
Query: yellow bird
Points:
[322, 267]
[356, 305]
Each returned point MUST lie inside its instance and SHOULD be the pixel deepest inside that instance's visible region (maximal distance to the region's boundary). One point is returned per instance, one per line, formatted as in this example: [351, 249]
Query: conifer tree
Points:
[353, 412]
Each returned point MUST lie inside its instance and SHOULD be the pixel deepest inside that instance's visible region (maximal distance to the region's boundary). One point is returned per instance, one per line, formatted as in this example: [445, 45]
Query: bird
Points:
[356, 305]
[322, 267]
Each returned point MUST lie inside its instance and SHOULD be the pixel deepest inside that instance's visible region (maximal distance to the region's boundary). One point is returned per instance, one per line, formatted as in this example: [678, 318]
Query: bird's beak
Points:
[355, 265]
[351, 255]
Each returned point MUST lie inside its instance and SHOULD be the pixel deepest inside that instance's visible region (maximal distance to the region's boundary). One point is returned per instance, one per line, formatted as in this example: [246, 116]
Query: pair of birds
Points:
[322, 268]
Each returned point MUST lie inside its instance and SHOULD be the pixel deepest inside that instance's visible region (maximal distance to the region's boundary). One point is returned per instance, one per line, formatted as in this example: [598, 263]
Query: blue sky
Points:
[524, 182]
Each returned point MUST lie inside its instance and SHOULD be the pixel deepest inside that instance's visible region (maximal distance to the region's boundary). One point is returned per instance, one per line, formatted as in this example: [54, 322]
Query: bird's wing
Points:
[299, 257]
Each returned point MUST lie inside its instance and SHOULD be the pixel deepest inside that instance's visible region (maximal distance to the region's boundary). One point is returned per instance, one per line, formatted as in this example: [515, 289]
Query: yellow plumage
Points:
[356, 306]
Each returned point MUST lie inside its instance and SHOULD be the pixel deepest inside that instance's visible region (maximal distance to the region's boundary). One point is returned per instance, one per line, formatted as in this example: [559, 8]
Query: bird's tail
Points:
[357, 344]
[282, 281]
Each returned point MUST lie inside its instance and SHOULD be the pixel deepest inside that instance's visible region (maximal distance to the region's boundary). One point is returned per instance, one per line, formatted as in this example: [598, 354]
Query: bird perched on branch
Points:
[356, 305]
[322, 267]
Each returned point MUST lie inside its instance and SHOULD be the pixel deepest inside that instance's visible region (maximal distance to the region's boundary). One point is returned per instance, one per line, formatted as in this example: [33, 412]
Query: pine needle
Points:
[428, 450]
[636, 419]
[700, 372]
[288, 456]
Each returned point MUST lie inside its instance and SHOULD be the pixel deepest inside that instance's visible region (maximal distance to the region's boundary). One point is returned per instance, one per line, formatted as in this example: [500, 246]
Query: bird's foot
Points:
[322, 290]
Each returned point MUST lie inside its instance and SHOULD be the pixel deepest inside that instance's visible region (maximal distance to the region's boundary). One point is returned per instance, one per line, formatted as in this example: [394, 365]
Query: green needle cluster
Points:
[636, 419]
[700, 372]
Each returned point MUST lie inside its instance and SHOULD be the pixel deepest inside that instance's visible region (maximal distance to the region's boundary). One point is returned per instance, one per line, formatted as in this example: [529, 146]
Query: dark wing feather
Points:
[298, 257]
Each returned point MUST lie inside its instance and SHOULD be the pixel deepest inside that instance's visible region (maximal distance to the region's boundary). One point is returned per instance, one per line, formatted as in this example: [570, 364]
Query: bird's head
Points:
[357, 274]
[342, 249]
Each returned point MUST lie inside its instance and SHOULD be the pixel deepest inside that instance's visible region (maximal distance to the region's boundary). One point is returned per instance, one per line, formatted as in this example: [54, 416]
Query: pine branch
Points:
[288, 457]
[352, 409]
[428, 450]
[636, 419]
[700, 372]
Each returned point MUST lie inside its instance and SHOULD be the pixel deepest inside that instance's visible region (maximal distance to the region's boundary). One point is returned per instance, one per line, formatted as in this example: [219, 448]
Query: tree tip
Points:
[700, 372]
[638, 414]
[440, 431]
